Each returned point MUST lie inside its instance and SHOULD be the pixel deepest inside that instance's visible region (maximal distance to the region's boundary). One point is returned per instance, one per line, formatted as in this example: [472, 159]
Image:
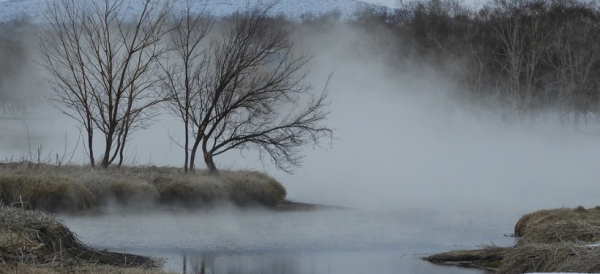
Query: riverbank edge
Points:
[74, 189]
[488, 258]
[571, 234]
[15, 238]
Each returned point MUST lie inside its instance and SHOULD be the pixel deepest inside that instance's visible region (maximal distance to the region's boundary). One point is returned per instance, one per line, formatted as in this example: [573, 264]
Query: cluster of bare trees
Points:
[235, 82]
[238, 82]
[526, 56]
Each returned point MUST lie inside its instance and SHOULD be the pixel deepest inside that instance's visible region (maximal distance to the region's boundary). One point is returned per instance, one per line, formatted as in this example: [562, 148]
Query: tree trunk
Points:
[106, 157]
[90, 133]
[210, 163]
[90, 138]
[186, 164]
[193, 153]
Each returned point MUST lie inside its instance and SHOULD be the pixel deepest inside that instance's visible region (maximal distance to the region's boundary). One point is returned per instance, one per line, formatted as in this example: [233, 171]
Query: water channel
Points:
[231, 240]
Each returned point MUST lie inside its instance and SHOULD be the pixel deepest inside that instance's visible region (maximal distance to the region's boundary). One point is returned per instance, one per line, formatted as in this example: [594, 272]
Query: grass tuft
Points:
[555, 240]
[556, 257]
[188, 190]
[579, 232]
[49, 193]
[251, 187]
[122, 191]
[553, 215]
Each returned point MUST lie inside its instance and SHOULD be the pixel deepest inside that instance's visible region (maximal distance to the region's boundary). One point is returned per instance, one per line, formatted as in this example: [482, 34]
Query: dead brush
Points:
[553, 215]
[31, 237]
[80, 269]
[580, 232]
[555, 257]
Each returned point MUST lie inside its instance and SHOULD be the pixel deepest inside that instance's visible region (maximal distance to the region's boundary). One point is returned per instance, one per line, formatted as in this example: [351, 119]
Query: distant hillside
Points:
[10, 9]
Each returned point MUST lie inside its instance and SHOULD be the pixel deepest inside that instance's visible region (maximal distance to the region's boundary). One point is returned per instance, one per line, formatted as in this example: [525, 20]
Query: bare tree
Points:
[518, 26]
[251, 92]
[183, 68]
[575, 57]
[102, 62]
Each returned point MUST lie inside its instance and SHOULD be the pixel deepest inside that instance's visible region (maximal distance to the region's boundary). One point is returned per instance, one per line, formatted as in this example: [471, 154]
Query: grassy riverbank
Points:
[83, 269]
[555, 240]
[76, 188]
[33, 242]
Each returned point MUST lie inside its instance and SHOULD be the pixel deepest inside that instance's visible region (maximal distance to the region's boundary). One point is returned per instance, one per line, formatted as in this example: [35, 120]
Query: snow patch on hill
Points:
[10, 9]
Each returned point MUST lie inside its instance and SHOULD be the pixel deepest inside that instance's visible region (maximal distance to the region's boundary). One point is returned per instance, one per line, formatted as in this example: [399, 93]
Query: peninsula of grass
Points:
[555, 240]
[72, 188]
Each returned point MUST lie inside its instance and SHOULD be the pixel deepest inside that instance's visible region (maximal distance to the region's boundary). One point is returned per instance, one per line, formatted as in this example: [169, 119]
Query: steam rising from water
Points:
[402, 142]
[408, 156]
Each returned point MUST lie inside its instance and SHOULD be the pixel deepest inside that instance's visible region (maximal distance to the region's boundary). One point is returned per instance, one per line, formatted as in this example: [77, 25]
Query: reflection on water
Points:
[308, 263]
[243, 241]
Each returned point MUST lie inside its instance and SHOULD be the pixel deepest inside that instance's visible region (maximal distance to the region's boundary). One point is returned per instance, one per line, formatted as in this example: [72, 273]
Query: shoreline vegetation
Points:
[73, 189]
[553, 240]
[31, 241]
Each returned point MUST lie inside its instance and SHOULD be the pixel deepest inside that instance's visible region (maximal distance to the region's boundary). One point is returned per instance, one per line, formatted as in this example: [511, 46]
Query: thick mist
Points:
[402, 140]
[405, 141]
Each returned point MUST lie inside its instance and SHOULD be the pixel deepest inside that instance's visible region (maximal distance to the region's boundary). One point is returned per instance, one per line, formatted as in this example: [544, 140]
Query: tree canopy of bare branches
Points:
[102, 60]
[243, 86]
[521, 59]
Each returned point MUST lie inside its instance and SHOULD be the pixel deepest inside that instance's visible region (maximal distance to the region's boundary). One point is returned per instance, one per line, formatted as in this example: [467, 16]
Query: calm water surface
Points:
[248, 241]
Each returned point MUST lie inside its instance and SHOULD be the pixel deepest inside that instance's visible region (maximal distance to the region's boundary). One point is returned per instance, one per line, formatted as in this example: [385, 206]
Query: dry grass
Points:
[250, 187]
[555, 240]
[557, 257]
[488, 257]
[72, 188]
[189, 190]
[89, 269]
[33, 238]
[109, 189]
[50, 193]
[553, 215]
[579, 232]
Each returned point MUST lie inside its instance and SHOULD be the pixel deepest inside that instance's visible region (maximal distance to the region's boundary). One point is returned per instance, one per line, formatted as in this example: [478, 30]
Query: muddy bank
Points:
[555, 240]
[288, 205]
[486, 258]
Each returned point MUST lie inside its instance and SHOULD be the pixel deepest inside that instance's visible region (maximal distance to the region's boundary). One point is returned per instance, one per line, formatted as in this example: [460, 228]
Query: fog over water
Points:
[407, 156]
[402, 140]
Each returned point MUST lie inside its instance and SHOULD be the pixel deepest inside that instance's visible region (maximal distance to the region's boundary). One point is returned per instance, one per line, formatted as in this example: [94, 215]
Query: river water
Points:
[231, 240]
